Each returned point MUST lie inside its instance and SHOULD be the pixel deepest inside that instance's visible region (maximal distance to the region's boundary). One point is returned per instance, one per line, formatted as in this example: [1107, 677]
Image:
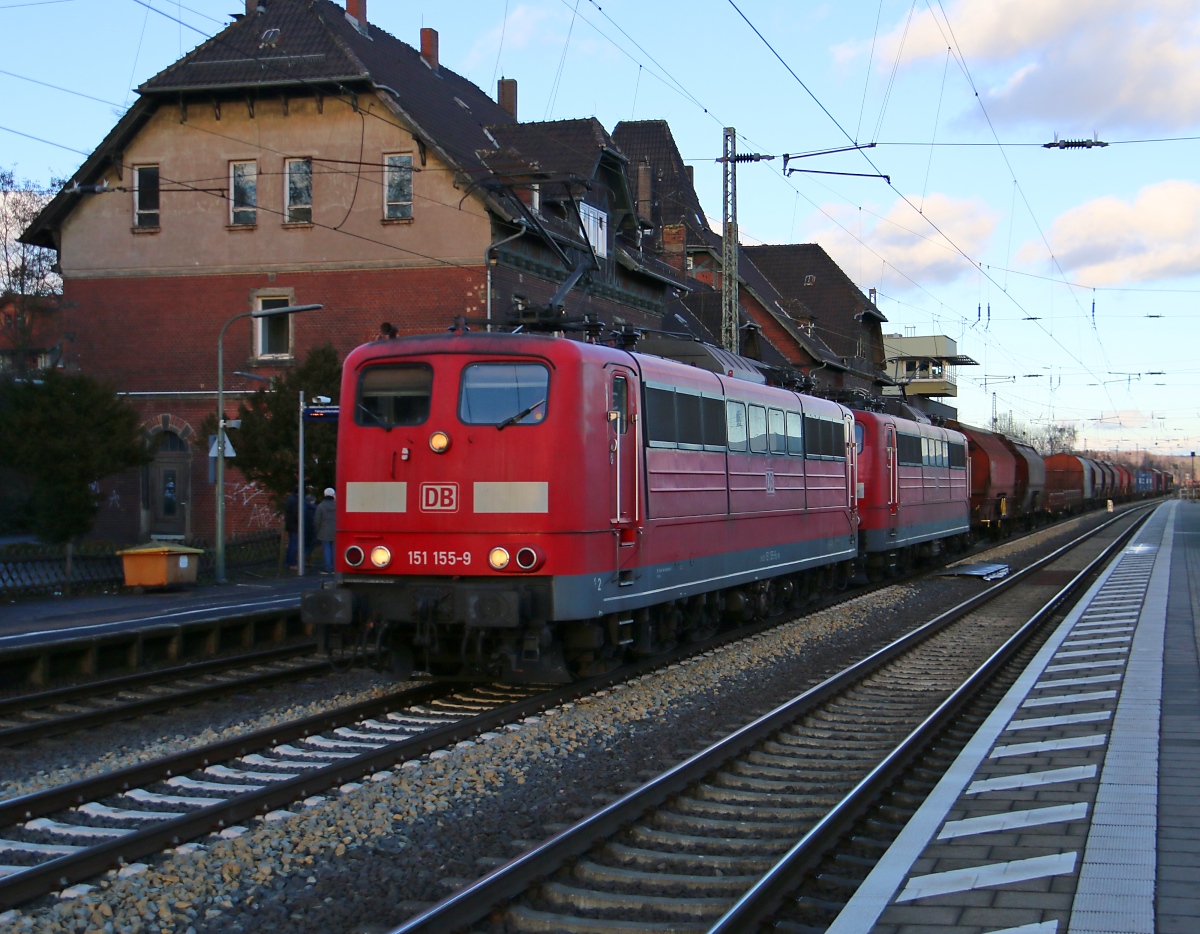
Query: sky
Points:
[1071, 276]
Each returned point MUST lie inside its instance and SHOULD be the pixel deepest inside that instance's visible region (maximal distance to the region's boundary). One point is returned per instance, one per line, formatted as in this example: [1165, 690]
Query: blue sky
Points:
[1124, 219]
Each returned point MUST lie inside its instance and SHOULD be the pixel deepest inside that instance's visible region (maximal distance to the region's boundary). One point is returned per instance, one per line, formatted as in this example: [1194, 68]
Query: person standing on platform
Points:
[325, 524]
[310, 527]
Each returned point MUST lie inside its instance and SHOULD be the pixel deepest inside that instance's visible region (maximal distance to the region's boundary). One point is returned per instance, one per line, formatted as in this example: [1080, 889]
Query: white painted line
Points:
[1038, 927]
[1067, 719]
[1076, 773]
[876, 891]
[1084, 666]
[1012, 820]
[1049, 745]
[1069, 682]
[1109, 641]
[979, 877]
[1059, 699]
[1089, 653]
[1123, 843]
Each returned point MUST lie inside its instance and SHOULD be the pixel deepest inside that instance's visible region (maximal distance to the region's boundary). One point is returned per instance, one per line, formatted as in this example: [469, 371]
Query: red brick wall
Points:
[159, 334]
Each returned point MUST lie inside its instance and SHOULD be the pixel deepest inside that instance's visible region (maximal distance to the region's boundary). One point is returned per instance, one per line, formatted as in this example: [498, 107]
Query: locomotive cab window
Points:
[394, 395]
[859, 434]
[621, 403]
[503, 394]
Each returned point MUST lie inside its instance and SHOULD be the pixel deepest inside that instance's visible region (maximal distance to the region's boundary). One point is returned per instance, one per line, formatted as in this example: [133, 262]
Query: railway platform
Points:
[1075, 808]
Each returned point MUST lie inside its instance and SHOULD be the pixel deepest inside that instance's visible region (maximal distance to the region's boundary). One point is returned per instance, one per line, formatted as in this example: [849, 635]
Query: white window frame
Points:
[595, 226]
[254, 208]
[287, 191]
[387, 168]
[261, 324]
[137, 209]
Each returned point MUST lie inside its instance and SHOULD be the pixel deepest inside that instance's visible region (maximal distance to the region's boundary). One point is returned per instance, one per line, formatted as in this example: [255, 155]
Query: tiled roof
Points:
[834, 300]
[558, 147]
[318, 47]
[673, 198]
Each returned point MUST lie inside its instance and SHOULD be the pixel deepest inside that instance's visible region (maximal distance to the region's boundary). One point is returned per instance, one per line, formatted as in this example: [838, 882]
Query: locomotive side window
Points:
[394, 395]
[688, 424]
[795, 433]
[621, 403]
[712, 414]
[778, 432]
[660, 415]
[824, 439]
[736, 422]
[958, 456]
[908, 450]
[758, 429]
[503, 394]
[859, 434]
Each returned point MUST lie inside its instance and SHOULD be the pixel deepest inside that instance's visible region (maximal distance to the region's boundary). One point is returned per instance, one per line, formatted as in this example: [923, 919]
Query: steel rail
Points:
[27, 732]
[34, 701]
[65, 870]
[475, 900]
[764, 896]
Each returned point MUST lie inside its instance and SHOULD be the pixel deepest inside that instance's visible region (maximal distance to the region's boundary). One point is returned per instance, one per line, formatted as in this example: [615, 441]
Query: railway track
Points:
[29, 717]
[712, 843]
[54, 838]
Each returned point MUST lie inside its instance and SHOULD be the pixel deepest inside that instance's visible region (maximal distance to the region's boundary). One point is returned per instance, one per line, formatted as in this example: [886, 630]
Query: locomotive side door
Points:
[625, 468]
[893, 471]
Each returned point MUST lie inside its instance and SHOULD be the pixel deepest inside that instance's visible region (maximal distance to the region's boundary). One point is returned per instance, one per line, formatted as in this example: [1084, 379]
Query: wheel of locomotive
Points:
[841, 576]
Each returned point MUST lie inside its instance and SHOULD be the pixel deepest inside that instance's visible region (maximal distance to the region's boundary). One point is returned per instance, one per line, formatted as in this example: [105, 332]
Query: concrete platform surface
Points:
[1075, 808]
[23, 625]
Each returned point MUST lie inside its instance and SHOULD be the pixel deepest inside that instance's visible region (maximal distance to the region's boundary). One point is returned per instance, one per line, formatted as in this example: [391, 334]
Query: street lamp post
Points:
[258, 313]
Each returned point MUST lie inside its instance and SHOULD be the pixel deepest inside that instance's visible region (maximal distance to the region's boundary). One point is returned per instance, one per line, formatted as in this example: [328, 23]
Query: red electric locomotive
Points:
[535, 509]
[912, 491]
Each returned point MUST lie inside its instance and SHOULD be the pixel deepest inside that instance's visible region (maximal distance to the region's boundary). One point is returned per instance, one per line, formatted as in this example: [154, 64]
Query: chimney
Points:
[506, 95]
[644, 189]
[357, 9]
[252, 7]
[429, 48]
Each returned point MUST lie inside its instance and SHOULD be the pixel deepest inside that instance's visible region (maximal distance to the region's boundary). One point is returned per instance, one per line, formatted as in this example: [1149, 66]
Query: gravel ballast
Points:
[365, 858]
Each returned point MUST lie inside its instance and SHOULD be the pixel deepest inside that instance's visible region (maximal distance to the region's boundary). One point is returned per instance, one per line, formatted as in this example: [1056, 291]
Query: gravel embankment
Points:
[368, 857]
[72, 756]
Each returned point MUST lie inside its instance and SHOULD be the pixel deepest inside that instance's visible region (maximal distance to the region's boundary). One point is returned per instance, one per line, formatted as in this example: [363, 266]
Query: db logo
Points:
[439, 497]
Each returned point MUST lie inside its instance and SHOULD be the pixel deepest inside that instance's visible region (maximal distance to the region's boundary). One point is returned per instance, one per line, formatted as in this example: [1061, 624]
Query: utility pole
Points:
[729, 237]
[729, 243]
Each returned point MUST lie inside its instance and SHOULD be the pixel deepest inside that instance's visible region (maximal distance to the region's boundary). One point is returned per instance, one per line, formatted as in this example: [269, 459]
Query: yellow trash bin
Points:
[160, 565]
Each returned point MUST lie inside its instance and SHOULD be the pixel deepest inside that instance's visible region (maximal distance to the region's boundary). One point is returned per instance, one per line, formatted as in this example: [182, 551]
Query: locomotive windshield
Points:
[503, 394]
[394, 395]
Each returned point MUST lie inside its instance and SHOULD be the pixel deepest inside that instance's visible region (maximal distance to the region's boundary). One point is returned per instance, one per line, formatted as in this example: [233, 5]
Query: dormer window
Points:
[810, 280]
[595, 226]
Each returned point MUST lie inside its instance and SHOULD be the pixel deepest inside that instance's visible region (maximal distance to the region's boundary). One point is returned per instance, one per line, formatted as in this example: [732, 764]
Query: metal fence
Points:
[31, 569]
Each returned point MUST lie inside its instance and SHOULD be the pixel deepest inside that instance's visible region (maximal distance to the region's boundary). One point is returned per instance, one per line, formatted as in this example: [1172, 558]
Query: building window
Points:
[273, 336]
[243, 193]
[298, 190]
[145, 196]
[595, 225]
[397, 187]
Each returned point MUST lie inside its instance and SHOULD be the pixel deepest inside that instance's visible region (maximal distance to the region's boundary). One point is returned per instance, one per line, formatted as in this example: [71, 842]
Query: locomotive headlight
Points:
[354, 556]
[439, 442]
[498, 558]
[381, 557]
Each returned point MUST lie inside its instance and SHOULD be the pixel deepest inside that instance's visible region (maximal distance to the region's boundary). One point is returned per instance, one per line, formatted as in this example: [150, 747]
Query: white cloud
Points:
[1109, 240]
[1098, 64]
[908, 243]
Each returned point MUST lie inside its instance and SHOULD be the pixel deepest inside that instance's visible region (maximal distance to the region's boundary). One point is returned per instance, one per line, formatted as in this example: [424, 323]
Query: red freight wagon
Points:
[993, 476]
[1031, 480]
[1124, 481]
[912, 486]
[1065, 474]
[535, 508]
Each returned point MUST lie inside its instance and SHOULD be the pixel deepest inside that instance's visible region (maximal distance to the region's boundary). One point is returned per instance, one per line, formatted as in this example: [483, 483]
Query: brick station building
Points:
[303, 155]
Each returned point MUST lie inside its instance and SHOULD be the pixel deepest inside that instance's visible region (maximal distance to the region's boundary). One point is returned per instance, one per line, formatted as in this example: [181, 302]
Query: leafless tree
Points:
[29, 286]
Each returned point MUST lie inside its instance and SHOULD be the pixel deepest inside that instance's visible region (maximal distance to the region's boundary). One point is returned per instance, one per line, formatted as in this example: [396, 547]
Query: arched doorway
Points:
[169, 487]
